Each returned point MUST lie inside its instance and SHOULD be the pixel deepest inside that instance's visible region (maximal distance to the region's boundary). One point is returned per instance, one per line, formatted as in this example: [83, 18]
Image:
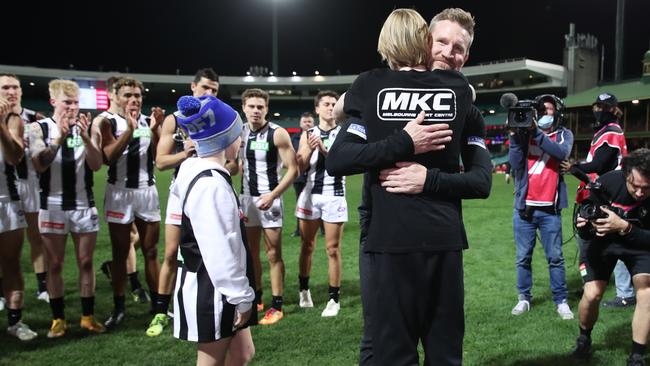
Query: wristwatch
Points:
[626, 230]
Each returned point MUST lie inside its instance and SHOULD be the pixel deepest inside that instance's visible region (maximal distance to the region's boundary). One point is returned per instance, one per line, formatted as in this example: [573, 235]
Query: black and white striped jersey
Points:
[134, 168]
[25, 169]
[216, 275]
[318, 180]
[8, 189]
[261, 162]
[67, 184]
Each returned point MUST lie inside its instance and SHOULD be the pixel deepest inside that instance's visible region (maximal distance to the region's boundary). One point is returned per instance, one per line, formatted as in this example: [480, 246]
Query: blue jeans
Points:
[623, 281]
[550, 231]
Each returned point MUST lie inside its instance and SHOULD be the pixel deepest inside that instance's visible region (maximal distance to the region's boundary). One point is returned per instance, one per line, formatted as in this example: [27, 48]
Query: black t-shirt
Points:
[382, 101]
[613, 187]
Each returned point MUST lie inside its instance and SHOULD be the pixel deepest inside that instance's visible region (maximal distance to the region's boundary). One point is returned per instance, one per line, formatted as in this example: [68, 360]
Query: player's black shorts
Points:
[598, 259]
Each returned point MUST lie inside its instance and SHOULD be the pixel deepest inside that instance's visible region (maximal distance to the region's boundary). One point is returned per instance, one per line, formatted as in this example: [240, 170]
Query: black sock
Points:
[258, 297]
[14, 316]
[40, 280]
[57, 307]
[334, 293]
[304, 283]
[154, 298]
[118, 301]
[88, 305]
[135, 281]
[276, 303]
[638, 348]
[162, 303]
[585, 332]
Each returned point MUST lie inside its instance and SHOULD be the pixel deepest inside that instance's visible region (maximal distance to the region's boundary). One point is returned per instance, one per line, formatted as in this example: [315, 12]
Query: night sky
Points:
[334, 36]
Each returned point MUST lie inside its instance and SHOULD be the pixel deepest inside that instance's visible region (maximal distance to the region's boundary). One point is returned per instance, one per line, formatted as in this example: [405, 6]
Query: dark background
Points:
[334, 36]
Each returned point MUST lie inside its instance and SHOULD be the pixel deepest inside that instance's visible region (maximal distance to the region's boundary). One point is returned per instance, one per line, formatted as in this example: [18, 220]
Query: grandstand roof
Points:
[625, 91]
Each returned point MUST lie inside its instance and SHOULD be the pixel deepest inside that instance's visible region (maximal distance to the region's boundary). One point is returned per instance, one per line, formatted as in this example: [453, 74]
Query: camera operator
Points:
[540, 194]
[605, 153]
[624, 235]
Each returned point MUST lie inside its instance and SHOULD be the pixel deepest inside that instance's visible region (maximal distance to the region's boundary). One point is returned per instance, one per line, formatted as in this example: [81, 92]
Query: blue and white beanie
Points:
[210, 123]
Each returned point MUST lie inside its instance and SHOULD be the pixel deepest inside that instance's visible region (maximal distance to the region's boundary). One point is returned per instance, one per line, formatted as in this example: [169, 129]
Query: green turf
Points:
[493, 336]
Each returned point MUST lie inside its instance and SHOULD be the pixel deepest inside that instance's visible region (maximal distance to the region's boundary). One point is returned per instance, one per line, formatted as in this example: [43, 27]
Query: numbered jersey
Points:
[67, 184]
[134, 168]
[261, 163]
[25, 169]
[318, 181]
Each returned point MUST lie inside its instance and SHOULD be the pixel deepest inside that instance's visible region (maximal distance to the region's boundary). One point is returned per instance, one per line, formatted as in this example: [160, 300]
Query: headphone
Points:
[558, 117]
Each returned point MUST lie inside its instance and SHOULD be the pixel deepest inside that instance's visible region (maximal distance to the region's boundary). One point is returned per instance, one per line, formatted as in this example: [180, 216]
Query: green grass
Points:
[493, 336]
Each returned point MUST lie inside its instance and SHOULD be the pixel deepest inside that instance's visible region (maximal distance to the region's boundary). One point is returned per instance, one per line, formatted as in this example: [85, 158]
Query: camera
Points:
[523, 114]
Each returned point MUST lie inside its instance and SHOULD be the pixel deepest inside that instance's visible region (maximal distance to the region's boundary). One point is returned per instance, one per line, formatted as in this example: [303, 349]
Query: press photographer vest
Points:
[543, 175]
[612, 135]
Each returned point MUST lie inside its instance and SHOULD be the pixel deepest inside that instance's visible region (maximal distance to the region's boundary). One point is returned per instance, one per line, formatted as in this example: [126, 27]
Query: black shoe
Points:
[295, 234]
[620, 302]
[115, 319]
[635, 359]
[106, 269]
[583, 348]
[140, 296]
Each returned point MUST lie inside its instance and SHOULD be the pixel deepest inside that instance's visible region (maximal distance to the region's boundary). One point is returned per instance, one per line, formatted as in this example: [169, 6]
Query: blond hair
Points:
[405, 40]
[457, 15]
[60, 87]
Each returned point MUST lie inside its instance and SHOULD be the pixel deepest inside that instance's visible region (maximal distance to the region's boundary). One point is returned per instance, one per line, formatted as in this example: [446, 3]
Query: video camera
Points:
[523, 113]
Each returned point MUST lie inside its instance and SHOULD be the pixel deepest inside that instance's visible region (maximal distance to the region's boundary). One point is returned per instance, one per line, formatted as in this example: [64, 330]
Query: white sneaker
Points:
[521, 307]
[2, 303]
[564, 311]
[21, 331]
[43, 296]
[305, 299]
[331, 309]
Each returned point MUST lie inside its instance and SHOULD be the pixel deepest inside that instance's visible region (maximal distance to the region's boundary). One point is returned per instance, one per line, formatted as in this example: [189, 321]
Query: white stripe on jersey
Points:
[55, 188]
[118, 172]
[317, 177]
[7, 181]
[28, 116]
[261, 142]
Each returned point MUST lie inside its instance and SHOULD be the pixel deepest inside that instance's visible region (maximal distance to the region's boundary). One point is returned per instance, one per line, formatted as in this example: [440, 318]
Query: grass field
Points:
[493, 336]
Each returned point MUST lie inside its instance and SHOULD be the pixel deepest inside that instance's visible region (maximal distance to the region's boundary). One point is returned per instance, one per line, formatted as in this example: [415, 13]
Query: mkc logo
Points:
[402, 104]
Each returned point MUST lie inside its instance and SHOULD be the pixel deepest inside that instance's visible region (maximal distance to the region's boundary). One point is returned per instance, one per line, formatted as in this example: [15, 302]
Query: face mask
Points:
[545, 122]
[603, 117]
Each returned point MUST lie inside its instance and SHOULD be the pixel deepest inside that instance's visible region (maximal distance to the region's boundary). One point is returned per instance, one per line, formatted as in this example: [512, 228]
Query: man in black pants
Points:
[372, 153]
[623, 235]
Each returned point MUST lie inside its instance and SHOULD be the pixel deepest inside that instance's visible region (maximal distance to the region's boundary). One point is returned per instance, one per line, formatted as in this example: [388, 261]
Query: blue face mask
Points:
[545, 122]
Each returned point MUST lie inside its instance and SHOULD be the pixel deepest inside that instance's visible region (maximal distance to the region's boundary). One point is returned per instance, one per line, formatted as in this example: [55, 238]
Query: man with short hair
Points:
[606, 151]
[65, 151]
[306, 122]
[138, 293]
[452, 32]
[12, 221]
[266, 148]
[11, 90]
[174, 148]
[322, 200]
[620, 231]
[540, 195]
[129, 143]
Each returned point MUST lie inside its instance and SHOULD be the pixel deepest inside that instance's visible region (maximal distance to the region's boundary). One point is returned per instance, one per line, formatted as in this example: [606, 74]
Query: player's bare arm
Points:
[282, 140]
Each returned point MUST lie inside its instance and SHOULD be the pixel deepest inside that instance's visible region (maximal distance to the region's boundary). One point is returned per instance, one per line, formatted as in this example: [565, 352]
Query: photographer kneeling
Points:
[624, 235]
[537, 146]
